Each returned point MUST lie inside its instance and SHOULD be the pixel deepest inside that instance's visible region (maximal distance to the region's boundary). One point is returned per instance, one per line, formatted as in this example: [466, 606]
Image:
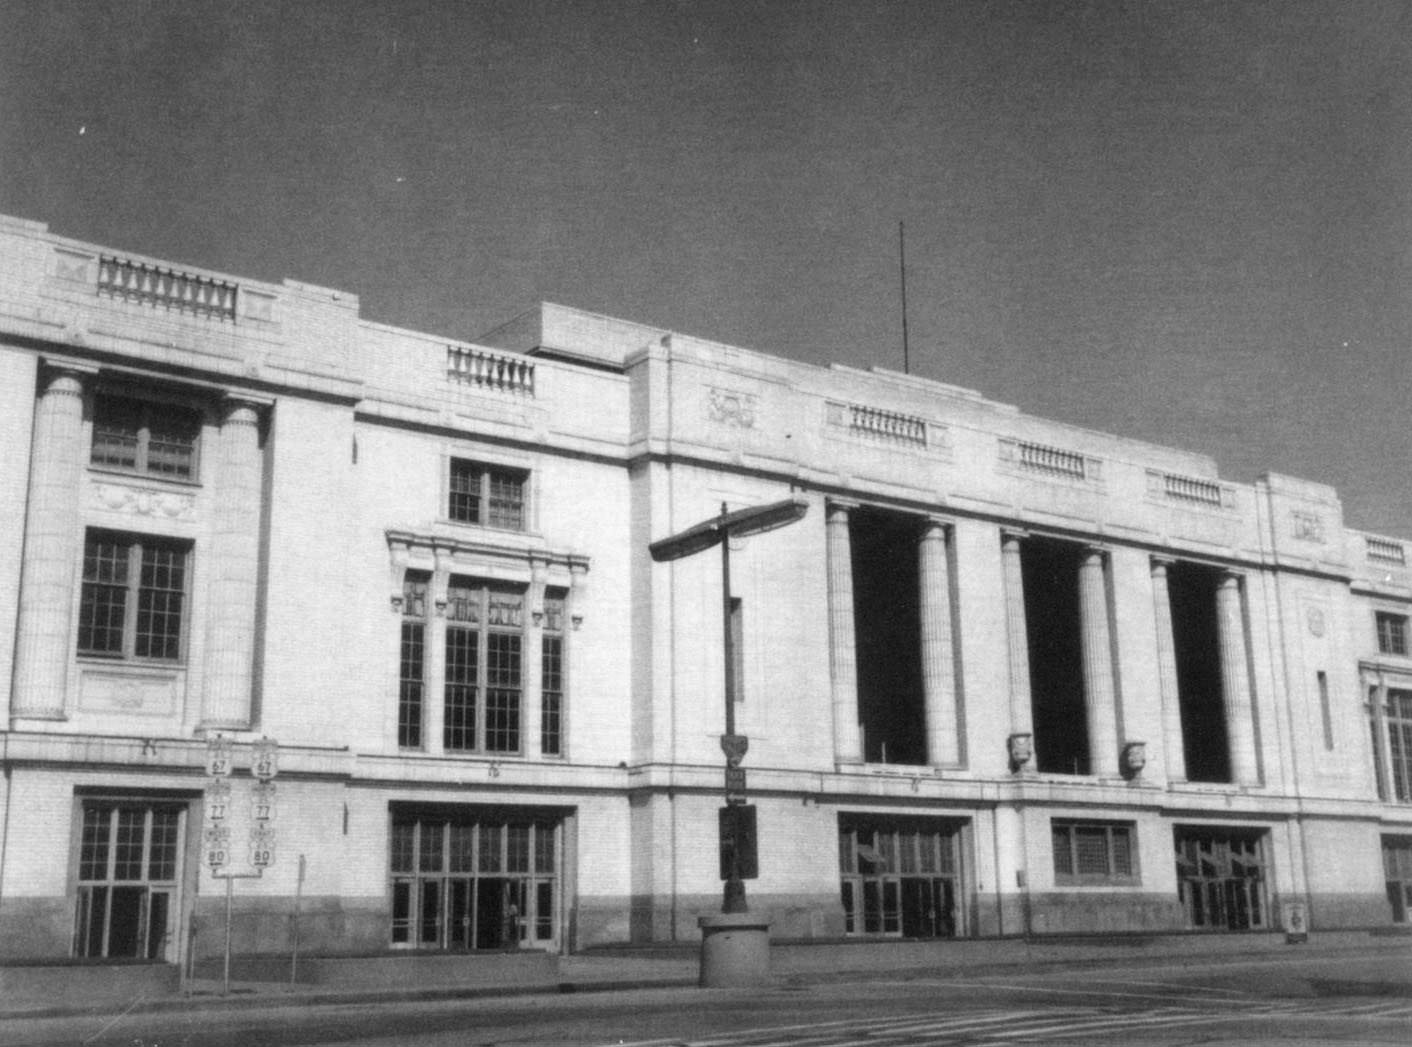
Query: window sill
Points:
[134, 475]
[1096, 881]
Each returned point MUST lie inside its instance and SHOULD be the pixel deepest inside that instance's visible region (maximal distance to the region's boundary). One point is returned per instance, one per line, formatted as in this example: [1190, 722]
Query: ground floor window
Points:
[1397, 865]
[128, 869]
[900, 876]
[1093, 852]
[474, 878]
[1221, 877]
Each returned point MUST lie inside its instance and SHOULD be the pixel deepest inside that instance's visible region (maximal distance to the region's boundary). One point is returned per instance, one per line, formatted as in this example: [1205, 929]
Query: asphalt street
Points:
[1357, 997]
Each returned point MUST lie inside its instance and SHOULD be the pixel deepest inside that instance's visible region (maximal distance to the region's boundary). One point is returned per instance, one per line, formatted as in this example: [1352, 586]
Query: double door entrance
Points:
[900, 876]
[1221, 878]
[469, 878]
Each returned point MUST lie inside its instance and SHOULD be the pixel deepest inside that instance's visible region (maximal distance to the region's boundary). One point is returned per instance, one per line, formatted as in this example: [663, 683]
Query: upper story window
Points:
[484, 660]
[144, 436]
[1392, 633]
[1093, 852]
[487, 495]
[133, 600]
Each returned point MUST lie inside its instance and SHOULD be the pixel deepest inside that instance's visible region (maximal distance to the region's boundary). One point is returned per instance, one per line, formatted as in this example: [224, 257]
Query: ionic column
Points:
[233, 555]
[1173, 748]
[843, 656]
[938, 671]
[1235, 682]
[1017, 635]
[52, 551]
[1100, 701]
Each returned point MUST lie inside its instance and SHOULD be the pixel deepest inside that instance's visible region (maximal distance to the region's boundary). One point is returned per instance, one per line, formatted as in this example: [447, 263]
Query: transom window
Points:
[1392, 633]
[487, 495]
[1093, 852]
[484, 656]
[141, 436]
[134, 595]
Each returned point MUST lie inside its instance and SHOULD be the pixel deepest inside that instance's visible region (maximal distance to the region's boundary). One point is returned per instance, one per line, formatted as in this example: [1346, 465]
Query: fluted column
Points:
[1173, 748]
[843, 655]
[1100, 699]
[938, 669]
[51, 550]
[1017, 635]
[233, 555]
[1235, 682]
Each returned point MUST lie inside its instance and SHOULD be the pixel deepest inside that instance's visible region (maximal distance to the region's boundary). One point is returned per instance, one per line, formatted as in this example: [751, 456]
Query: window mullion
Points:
[132, 599]
[483, 666]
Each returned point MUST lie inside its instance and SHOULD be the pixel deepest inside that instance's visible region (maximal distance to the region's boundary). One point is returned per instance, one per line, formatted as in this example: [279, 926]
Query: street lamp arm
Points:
[741, 523]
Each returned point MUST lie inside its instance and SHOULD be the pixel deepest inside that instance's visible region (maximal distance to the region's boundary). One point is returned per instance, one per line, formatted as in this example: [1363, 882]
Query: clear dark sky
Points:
[1186, 222]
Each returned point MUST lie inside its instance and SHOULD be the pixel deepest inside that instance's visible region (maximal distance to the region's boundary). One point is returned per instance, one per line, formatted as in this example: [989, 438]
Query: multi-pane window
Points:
[1392, 633]
[473, 879]
[485, 495]
[551, 731]
[141, 436]
[412, 662]
[127, 870]
[1398, 722]
[133, 598]
[1397, 867]
[1093, 852]
[484, 658]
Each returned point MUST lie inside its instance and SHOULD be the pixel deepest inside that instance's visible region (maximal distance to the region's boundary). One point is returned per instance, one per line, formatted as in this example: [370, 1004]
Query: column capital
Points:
[1161, 562]
[1012, 535]
[840, 505]
[237, 410]
[1230, 577]
[1092, 549]
[934, 526]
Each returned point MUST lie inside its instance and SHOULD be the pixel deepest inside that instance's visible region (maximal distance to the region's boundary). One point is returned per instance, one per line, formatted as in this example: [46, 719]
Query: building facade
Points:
[1006, 676]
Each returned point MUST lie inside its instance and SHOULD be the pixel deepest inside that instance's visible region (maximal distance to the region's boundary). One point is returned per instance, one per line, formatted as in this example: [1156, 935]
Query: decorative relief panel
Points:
[1307, 527]
[727, 407]
[132, 694]
[143, 501]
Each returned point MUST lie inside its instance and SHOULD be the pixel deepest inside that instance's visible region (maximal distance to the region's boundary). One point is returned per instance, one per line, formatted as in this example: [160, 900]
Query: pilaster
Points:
[233, 556]
[43, 648]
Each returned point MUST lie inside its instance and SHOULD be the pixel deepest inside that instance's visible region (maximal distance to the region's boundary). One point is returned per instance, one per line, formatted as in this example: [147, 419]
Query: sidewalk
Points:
[648, 967]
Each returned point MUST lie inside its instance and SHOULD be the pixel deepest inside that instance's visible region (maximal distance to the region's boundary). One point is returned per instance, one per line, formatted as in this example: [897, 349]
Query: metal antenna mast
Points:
[902, 265]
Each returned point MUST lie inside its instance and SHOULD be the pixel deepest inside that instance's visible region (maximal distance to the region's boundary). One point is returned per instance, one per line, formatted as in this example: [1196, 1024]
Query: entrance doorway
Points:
[900, 876]
[1221, 878]
[128, 869]
[474, 878]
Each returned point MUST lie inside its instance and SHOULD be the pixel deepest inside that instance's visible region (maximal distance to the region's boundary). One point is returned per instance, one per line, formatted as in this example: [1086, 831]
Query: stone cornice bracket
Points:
[539, 573]
[442, 554]
[399, 555]
[578, 589]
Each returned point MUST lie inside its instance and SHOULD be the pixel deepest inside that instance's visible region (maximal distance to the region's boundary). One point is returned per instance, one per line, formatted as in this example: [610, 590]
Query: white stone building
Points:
[1005, 676]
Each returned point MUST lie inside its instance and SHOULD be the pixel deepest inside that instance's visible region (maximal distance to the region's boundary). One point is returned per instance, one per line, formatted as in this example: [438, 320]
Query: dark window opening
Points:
[1196, 640]
[1051, 579]
[887, 625]
[1397, 868]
